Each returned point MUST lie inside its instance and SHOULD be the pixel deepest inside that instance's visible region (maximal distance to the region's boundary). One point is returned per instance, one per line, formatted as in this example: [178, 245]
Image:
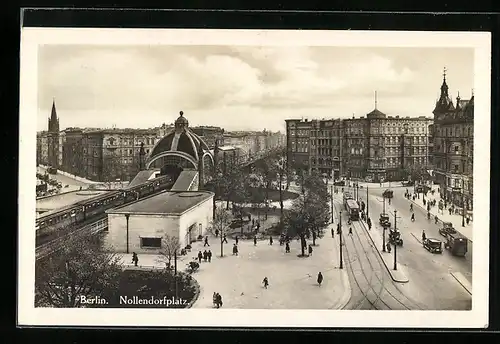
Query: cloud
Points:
[223, 84]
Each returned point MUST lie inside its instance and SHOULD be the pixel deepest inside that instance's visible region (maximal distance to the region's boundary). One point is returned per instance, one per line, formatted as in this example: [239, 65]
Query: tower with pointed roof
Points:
[453, 142]
[53, 137]
[53, 119]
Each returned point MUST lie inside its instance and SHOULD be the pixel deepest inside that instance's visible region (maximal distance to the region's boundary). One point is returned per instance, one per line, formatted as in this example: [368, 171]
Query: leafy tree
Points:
[309, 215]
[81, 268]
[220, 223]
[170, 246]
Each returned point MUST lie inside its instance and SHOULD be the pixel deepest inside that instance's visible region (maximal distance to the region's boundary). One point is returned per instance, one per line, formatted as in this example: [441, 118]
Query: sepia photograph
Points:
[254, 178]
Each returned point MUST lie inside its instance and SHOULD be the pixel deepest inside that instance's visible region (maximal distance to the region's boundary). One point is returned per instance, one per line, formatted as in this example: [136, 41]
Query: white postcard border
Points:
[31, 38]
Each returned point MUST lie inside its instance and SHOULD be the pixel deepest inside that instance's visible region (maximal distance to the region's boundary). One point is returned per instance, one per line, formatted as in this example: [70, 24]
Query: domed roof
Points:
[181, 139]
[376, 114]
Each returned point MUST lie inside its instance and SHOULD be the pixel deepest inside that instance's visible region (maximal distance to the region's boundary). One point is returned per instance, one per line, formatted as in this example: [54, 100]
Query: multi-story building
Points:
[112, 154]
[210, 135]
[454, 148]
[255, 143]
[376, 147]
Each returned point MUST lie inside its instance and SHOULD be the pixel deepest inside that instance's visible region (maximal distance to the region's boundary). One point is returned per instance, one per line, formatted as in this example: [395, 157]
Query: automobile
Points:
[408, 183]
[383, 218]
[446, 229]
[368, 179]
[388, 193]
[395, 238]
[339, 183]
[433, 245]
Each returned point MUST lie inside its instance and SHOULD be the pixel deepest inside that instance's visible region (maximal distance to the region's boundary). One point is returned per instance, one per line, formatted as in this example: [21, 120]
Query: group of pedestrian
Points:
[217, 300]
[206, 256]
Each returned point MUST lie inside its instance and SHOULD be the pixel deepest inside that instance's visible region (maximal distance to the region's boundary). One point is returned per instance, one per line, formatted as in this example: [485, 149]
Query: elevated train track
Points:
[57, 227]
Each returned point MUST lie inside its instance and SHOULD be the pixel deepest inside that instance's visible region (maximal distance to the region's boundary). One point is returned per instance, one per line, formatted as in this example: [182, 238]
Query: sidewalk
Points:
[292, 279]
[455, 219]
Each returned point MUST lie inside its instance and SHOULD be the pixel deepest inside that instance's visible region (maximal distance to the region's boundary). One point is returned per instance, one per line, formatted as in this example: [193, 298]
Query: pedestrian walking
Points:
[235, 250]
[467, 220]
[200, 255]
[236, 240]
[219, 300]
[255, 240]
[265, 281]
[320, 278]
[287, 247]
[270, 240]
[310, 250]
[216, 233]
[423, 236]
[205, 255]
[253, 222]
[135, 259]
[214, 299]
[350, 231]
[332, 232]
[209, 254]
[224, 239]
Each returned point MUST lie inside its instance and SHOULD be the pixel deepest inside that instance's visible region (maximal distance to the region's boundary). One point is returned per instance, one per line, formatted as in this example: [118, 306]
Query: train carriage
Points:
[78, 213]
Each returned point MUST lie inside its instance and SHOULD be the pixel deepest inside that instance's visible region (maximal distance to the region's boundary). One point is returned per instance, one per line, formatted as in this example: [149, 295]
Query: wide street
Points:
[431, 282]
[64, 180]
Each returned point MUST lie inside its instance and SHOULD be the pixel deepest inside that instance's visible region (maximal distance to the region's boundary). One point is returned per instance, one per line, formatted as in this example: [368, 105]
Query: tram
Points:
[352, 208]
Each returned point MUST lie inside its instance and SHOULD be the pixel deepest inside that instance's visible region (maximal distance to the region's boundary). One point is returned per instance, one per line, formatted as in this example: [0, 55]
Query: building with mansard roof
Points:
[374, 147]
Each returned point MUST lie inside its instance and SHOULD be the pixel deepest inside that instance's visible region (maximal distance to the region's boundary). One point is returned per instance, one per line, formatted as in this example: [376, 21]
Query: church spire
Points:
[53, 120]
[375, 100]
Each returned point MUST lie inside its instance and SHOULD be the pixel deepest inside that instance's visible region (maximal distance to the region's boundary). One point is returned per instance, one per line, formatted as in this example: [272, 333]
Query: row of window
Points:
[455, 131]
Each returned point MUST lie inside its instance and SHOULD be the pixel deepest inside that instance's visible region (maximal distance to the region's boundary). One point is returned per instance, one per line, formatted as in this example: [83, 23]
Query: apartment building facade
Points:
[373, 147]
[454, 148]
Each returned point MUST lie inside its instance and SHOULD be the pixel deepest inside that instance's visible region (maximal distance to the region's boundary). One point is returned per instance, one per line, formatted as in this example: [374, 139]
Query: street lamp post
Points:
[340, 234]
[367, 203]
[463, 203]
[126, 217]
[331, 200]
[395, 244]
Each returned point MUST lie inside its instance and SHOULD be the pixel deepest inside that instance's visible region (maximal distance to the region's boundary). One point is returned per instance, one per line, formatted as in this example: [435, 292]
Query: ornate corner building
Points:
[454, 148]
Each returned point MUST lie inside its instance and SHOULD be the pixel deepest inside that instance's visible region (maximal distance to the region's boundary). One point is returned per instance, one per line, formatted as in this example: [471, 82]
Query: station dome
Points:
[182, 139]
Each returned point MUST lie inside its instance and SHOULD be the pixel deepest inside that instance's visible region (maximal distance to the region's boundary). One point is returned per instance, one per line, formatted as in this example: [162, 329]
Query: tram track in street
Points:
[372, 277]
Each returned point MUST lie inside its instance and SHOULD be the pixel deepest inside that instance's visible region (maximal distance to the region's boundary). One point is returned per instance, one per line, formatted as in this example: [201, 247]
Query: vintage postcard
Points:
[254, 178]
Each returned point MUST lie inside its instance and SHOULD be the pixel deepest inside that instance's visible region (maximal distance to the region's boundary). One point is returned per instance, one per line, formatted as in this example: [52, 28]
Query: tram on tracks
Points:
[79, 213]
[352, 208]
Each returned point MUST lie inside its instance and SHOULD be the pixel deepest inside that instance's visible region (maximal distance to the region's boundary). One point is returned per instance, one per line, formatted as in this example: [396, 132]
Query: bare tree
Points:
[83, 268]
[169, 247]
[221, 223]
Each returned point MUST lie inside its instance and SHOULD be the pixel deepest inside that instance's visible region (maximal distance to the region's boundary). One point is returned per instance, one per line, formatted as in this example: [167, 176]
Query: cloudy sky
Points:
[240, 87]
